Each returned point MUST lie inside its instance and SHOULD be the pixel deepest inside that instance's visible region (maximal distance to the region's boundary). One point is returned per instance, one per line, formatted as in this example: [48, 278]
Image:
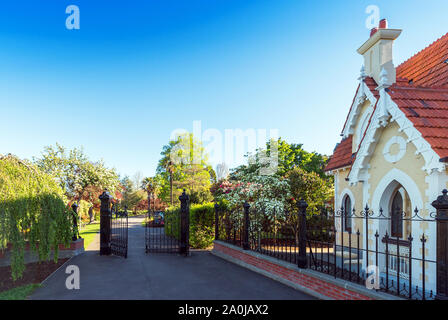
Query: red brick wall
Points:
[73, 246]
[317, 285]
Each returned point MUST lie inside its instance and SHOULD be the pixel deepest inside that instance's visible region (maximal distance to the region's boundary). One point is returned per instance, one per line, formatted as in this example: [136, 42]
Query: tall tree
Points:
[75, 172]
[184, 165]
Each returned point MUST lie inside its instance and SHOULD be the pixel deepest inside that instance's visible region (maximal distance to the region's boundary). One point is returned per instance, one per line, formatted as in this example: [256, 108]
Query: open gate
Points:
[168, 232]
[119, 232]
[113, 228]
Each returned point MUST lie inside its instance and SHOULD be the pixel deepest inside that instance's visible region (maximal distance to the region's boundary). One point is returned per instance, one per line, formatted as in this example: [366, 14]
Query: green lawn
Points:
[89, 232]
[19, 293]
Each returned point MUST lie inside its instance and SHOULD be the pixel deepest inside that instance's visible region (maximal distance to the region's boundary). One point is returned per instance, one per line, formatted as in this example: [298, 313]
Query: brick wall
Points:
[313, 284]
[76, 247]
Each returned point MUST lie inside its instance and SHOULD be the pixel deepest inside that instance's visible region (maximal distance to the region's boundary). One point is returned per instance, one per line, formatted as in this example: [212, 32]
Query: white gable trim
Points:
[362, 95]
[387, 111]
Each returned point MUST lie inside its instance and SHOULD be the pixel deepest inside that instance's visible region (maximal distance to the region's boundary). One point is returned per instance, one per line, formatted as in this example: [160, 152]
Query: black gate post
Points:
[441, 204]
[184, 223]
[75, 222]
[105, 220]
[302, 259]
[246, 226]
[216, 221]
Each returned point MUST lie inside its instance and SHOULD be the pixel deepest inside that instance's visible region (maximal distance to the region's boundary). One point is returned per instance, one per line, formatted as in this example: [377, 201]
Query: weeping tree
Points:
[33, 211]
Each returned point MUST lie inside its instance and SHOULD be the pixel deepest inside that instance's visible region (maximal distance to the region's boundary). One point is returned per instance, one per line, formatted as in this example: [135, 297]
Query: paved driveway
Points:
[158, 276]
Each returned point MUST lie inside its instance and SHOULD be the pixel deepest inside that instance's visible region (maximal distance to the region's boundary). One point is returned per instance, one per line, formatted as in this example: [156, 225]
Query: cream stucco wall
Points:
[411, 164]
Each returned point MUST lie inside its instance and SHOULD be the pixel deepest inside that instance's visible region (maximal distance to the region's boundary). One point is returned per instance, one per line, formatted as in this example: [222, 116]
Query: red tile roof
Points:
[421, 92]
[427, 108]
[428, 67]
[342, 155]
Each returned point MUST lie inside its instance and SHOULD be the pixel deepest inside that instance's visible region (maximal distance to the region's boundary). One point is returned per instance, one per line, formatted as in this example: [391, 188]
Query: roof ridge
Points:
[402, 65]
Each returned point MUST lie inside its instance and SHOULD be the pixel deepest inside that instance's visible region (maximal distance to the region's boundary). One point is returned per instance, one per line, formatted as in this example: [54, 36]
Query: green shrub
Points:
[32, 210]
[202, 224]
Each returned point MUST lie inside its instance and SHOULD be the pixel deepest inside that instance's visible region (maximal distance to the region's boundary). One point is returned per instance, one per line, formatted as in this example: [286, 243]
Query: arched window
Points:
[347, 214]
[396, 226]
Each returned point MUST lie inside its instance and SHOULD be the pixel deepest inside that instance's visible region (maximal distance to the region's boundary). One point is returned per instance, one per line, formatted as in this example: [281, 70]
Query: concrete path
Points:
[161, 276]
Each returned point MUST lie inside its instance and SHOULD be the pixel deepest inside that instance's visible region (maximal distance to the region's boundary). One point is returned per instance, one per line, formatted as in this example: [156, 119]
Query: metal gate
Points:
[113, 228]
[168, 232]
[119, 232]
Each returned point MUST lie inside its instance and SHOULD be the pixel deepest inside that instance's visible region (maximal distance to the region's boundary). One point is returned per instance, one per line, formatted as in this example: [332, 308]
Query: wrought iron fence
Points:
[398, 262]
[335, 243]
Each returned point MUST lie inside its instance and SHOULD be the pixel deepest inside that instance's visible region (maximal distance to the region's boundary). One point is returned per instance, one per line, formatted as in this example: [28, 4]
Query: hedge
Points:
[202, 222]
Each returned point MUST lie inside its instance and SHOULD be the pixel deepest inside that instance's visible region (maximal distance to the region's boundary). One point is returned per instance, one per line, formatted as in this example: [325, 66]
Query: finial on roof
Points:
[383, 83]
[363, 74]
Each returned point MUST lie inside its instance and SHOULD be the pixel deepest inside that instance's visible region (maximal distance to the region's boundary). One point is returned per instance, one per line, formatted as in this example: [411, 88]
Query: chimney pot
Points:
[373, 31]
[383, 24]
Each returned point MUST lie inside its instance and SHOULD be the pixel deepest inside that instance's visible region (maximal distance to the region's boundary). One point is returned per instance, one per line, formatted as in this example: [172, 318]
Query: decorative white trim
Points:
[392, 158]
[384, 190]
[387, 111]
[363, 122]
[349, 193]
[363, 94]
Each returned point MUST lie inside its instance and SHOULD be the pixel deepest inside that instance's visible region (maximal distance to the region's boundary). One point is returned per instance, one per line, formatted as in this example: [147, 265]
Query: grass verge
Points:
[19, 293]
[89, 232]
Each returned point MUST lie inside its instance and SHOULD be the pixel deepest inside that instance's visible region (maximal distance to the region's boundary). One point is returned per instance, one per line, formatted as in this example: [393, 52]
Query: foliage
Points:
[19, 293]
[83, 210]
[247, 183]
[310, 187]
[33, 210]
[75, 172]
[294, 156]
[131, 196]
[202, 222]
[184, 160]
[274, 193]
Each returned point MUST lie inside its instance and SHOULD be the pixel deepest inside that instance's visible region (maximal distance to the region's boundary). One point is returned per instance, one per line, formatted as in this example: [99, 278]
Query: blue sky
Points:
[137, 70]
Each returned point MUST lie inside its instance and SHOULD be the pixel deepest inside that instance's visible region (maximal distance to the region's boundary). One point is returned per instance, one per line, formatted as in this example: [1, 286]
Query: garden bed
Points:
[35, 272]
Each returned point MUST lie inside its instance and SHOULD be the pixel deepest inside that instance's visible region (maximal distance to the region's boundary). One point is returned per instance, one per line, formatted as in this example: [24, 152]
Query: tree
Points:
[294, 156]
[310, 187]
[33, 212]
[131, 196]
[75, 172]
[137, 179]
[184, 165]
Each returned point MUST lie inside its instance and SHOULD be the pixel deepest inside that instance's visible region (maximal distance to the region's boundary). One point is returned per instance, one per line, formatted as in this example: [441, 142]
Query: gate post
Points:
[105, 220]
[302, 259]
[184, 223]
[441, 204]
[75, 221]
[246, 226]
[216, 221]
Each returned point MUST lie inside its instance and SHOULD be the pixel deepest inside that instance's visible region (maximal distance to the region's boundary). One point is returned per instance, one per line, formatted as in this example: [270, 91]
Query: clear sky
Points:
[137, 70]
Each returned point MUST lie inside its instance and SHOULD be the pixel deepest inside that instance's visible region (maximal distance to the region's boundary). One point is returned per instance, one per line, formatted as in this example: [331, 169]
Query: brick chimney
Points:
[377, 52]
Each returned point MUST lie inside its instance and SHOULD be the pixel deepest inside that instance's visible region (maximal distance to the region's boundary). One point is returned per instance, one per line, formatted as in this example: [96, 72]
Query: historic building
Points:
[393, 153]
